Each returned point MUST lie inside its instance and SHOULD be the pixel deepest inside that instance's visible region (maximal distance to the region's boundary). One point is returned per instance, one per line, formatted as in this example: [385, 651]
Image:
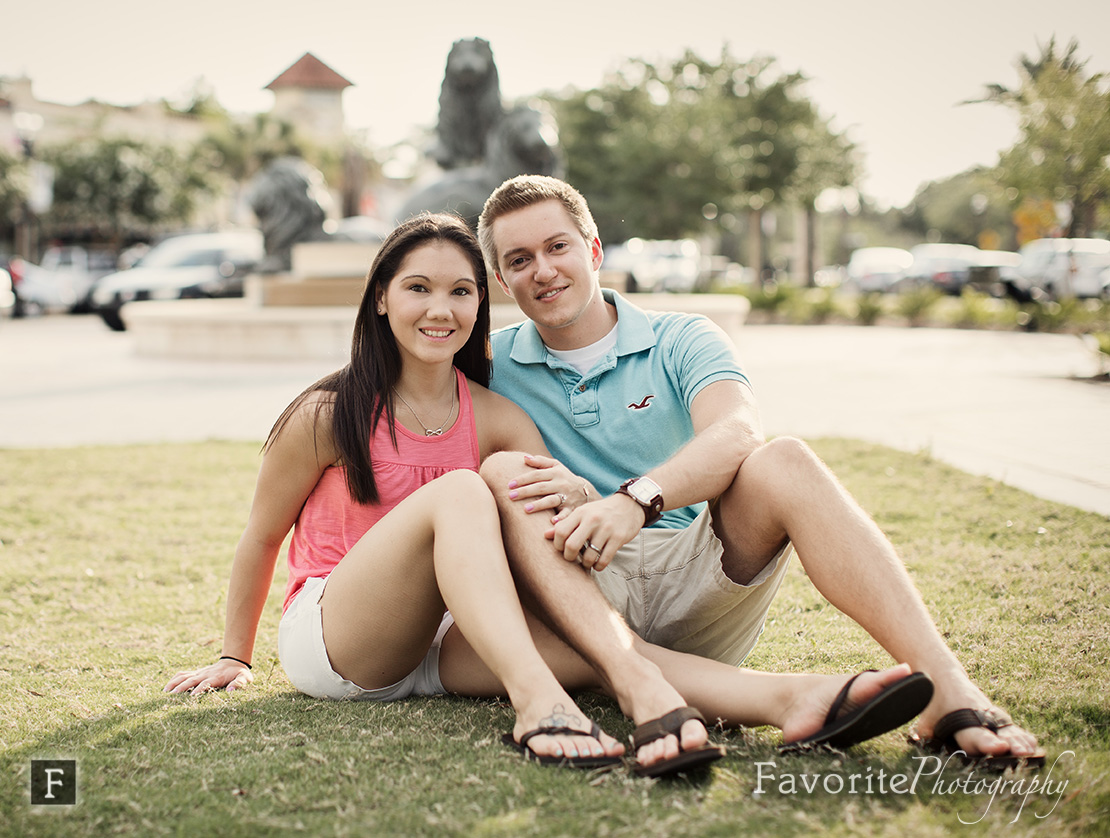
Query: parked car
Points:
[947, 267]
[7, 294]
[1104, 282]
[1058, 268]
[995, 274]
[193, 265]
[64, 279]
[878, 268]
[654, 265]
[13, 267]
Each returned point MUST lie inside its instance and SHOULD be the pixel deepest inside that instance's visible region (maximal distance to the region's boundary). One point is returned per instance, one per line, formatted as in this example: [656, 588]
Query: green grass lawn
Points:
[114, 567]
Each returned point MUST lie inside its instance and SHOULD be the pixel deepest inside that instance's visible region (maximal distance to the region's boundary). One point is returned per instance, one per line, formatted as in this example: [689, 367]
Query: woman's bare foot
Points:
[562, 713]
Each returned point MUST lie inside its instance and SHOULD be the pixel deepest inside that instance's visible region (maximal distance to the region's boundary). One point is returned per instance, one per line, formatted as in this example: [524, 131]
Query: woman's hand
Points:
[222, 674]
[592, 534]
[548, 485]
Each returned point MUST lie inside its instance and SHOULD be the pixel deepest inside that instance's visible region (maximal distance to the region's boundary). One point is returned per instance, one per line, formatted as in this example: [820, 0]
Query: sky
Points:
[891, 74]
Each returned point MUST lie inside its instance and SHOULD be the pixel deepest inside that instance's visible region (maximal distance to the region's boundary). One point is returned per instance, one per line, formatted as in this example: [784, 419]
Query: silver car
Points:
[193, 265]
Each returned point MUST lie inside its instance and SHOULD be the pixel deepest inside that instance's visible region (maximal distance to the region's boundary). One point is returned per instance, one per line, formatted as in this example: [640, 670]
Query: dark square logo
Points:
[53, 782]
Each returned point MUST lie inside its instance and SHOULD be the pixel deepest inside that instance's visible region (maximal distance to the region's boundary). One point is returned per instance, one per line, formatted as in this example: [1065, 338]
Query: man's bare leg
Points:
[784, 491]
[795, 703]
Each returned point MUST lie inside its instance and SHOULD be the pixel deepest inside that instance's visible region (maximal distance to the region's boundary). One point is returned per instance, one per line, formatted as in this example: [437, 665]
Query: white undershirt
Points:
[584, 359]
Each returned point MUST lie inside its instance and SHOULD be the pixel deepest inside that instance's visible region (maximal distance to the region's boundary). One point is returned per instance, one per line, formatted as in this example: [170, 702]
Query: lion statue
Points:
[289, 199]
[469, 104]
[525, 141]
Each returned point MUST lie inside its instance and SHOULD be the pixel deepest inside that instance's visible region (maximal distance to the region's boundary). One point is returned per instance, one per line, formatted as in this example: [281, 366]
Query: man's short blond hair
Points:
[524, 191]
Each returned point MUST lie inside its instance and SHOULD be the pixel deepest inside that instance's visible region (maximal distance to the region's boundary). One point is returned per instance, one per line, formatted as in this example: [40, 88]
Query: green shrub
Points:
[977, 310]
[812, 305]
[916, 303]
[771, 298]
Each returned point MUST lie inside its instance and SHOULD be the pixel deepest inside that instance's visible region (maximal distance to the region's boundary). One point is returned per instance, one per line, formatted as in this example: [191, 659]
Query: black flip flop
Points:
[570, 762]
[891, 708]
[943, 740]
[671, 725]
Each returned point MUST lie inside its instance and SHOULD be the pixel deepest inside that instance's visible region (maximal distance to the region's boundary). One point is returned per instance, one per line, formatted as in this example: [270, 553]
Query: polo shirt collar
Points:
[634, 333]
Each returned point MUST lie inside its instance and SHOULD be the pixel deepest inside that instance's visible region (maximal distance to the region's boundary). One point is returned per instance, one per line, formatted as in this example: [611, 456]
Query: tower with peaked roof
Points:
[310, 96]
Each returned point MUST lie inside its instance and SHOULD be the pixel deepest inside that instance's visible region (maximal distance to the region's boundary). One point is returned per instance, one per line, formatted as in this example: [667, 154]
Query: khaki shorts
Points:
[672, 591]
[305, 660]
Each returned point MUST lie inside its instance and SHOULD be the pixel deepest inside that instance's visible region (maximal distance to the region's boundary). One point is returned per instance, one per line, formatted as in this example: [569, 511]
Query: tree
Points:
[669, 151]
[624, 147]
[14, 187]
[968, 208]
[114, 188]
[826, 160]
[1063, 152]
[239, 149]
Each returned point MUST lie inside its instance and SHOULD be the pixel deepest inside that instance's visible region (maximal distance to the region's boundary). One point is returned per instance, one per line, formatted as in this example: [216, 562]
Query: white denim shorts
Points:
[305, 660]
[672, 591]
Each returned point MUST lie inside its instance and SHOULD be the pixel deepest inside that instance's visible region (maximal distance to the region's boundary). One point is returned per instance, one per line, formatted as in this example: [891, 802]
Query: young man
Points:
[692, 514]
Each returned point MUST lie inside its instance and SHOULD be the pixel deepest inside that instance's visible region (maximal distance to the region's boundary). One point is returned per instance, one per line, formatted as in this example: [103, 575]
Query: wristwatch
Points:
[647, 493]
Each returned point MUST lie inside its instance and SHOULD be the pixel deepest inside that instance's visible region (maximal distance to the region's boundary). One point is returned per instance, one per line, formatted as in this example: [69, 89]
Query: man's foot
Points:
[809, 712]
[564, 734]
[975, 740]
[647, 697]
[853, 717]
[670, 727]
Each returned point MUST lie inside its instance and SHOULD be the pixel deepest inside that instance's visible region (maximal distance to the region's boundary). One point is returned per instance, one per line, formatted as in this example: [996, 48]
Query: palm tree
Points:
[1063, 152]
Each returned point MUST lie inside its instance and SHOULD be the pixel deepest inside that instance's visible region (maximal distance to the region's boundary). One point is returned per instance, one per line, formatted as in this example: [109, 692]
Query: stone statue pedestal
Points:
[309, 312]
[331, 273]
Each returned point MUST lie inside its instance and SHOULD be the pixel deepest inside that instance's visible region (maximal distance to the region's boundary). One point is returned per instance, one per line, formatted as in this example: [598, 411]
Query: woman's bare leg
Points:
[441, 548]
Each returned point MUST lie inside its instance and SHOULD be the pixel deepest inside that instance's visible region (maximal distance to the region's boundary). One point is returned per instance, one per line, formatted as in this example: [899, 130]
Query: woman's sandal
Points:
[570, 762]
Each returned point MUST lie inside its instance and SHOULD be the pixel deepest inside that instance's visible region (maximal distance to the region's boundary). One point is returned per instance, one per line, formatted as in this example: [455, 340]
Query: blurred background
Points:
[854, 148]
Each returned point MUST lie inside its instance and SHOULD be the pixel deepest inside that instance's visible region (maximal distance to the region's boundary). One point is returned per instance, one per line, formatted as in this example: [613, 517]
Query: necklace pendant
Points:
[435, 432]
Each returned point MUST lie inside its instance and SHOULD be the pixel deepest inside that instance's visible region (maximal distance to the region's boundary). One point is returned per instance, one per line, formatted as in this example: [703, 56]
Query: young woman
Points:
[396, 541]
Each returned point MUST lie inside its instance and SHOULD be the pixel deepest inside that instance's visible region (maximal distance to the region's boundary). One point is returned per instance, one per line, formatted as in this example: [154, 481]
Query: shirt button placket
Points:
[583, 402]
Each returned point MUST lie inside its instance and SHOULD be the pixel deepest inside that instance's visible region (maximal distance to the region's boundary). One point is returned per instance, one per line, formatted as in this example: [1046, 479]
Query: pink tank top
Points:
[331, 523]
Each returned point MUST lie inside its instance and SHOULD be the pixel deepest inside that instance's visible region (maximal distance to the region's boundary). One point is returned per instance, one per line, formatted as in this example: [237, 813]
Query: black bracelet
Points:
[230, 658]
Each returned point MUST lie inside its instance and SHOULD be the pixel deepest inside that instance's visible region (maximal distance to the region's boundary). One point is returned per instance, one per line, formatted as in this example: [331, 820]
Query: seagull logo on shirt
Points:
[645, 402]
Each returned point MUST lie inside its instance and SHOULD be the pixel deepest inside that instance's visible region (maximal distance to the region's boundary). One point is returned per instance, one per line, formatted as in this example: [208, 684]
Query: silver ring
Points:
[562, 499]
[589, 546]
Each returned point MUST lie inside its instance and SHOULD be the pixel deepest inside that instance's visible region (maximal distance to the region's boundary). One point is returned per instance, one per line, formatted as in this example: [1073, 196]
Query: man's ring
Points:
[589, 546]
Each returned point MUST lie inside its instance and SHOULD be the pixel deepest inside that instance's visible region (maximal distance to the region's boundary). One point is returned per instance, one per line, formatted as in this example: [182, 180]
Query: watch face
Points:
[644, 490]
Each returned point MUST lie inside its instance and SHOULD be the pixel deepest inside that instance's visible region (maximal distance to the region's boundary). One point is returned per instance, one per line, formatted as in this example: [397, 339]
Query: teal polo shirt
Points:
[629, 413]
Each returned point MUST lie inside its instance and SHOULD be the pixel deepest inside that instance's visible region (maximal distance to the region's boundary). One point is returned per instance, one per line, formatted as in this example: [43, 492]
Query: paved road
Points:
[1001, 404]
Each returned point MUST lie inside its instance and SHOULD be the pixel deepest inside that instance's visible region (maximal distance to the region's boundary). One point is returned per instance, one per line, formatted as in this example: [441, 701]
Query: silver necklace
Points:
[430, 431]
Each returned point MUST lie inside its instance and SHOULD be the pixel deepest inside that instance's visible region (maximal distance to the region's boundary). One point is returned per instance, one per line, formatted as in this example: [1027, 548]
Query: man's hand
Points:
[546, 484]
[593, 533]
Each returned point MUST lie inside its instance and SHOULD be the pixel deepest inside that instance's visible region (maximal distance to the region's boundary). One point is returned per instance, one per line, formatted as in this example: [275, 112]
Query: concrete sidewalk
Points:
[1005, 405]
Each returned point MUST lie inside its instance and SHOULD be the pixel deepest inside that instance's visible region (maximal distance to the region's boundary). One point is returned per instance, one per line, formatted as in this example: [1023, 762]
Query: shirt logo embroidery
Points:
[642, 404]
